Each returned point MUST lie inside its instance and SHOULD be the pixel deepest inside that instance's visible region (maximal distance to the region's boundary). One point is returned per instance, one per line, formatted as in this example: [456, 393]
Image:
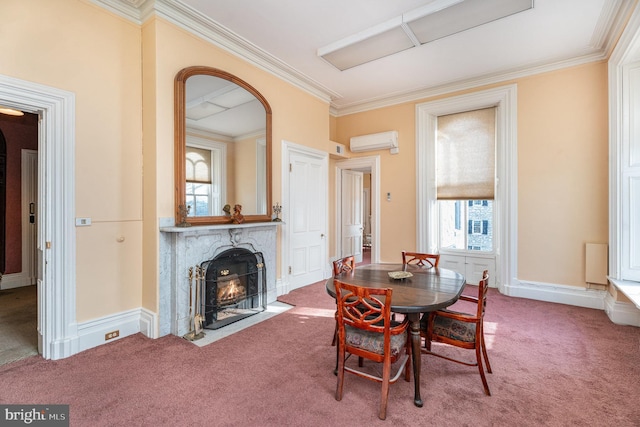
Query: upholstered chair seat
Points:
[452, 328]
[374, 341]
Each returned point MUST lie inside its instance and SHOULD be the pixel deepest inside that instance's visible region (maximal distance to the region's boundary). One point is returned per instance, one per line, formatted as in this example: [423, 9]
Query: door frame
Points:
[370, 164]
[29, 178]
[57, 327]
[289, 148]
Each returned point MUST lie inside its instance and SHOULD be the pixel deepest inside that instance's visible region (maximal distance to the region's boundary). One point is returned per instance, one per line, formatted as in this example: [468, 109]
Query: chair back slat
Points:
[483, 287]
[362, 307]
[420, 259]
[344, 265]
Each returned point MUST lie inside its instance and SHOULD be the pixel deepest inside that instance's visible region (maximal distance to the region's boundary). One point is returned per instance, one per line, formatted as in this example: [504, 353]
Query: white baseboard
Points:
[282, 288]
[92, 333]
[564, 294]
[618, 312]
[621, 313]
[16, 280]
[149, 323]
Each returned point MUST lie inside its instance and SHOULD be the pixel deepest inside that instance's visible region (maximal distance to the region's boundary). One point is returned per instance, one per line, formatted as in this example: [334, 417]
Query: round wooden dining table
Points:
[428, 289]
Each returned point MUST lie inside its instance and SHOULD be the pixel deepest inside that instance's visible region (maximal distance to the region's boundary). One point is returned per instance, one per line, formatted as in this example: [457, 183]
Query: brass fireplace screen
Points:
[233, 286]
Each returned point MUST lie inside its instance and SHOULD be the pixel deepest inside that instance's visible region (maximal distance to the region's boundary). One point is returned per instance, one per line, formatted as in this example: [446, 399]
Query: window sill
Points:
[630, 289]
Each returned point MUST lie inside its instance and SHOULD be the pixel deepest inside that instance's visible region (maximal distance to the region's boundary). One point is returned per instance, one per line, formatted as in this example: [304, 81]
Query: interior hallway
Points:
[18, 323]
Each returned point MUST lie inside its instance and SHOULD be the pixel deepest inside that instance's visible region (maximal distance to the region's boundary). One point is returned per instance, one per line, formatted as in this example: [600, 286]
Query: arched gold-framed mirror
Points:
[222, 148]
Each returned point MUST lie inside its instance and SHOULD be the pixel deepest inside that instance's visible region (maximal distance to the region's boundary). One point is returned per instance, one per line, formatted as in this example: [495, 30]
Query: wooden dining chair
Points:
[365, 329]
[342, 265]
[422, 260]
[461, 330]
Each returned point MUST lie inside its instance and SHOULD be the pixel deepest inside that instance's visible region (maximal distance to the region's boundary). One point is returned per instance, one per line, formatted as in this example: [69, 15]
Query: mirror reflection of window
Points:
[204, 179]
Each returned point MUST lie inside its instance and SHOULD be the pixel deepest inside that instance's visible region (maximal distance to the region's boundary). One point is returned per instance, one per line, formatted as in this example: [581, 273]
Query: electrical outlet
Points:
[111, 335]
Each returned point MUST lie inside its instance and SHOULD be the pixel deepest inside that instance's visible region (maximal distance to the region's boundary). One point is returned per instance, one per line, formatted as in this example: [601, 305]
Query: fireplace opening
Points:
[234, 287]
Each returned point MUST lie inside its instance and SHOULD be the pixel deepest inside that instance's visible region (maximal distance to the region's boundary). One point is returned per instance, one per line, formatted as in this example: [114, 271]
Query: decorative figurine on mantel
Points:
[184, 213]
[227, 210]
[277, 209]
[237, 217]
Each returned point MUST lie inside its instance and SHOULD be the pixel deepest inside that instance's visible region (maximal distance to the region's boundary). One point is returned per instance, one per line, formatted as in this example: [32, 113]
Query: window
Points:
[477, 215]
[505, 201]
[465, 169]
[198, 177]
[465, 156]
[204, 175]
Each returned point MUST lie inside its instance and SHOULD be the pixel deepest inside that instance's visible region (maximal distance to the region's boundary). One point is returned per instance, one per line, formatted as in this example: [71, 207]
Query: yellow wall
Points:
[397, 174]
[97, 57]
[562, 172]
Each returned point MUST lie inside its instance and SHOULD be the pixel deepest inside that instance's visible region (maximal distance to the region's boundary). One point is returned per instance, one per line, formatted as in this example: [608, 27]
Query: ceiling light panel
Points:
[373, 43]
[438, 19]
[202, 110]
[372, 48]
[233, 98]
[461, 16]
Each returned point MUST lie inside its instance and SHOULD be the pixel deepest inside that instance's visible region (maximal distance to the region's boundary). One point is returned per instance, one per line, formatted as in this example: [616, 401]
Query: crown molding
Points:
[613, 17]
[128, 9]
[189, 19]
[460, 85]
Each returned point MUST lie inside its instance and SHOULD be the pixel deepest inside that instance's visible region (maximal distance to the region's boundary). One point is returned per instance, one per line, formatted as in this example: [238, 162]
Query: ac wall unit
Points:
[375, 141]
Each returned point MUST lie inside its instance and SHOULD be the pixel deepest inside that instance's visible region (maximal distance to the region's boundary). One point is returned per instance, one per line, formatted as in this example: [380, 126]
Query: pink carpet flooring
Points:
[554, 365]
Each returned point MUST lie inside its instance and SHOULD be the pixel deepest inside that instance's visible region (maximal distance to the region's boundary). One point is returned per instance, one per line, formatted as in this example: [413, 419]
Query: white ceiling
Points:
[554, 34]
[283, 37]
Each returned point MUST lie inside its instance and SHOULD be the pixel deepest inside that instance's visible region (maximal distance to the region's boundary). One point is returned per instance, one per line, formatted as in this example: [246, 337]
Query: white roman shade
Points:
[198, 165]
[465, 155]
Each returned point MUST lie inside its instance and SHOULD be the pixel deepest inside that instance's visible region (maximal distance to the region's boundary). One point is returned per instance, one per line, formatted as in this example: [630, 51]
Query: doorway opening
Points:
[56, 236]
[371, 166]
[18, 290]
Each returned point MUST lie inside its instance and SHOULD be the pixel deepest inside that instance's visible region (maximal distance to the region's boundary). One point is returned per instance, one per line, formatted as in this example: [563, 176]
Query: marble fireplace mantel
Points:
[184, 247]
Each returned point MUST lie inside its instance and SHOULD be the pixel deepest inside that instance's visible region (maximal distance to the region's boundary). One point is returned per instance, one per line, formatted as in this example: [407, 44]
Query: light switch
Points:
[83, 222]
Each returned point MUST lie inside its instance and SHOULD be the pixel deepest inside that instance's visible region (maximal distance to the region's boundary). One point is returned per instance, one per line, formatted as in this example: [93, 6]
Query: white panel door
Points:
[307, 220]
[351, 215]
